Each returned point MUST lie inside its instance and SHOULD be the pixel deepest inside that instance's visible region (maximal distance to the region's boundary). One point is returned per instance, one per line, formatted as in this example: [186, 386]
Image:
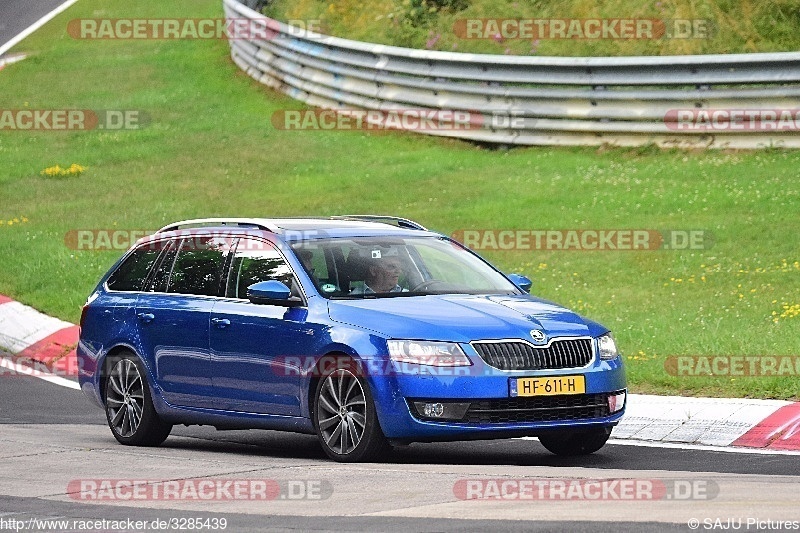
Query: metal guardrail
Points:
[624, 101]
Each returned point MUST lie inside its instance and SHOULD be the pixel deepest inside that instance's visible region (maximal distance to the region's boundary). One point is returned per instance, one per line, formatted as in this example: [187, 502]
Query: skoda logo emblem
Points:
[538, 335]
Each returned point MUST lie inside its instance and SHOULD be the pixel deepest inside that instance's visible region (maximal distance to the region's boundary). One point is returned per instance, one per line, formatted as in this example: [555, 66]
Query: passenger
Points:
[306, 257]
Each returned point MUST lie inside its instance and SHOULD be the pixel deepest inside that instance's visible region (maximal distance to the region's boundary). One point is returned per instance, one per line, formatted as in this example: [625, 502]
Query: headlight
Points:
[428, 353]
[607, 347]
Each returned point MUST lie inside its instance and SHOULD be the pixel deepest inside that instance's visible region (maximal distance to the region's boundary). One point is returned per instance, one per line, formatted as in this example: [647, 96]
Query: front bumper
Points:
[492, 412]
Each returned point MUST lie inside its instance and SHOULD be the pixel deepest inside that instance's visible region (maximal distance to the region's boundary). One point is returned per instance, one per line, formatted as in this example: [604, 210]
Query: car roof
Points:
[296, 229]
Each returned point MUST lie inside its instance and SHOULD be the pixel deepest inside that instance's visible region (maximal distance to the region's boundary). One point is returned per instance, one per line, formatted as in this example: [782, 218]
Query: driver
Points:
[382, 276]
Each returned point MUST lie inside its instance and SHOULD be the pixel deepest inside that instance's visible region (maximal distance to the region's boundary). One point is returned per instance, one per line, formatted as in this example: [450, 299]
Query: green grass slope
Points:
[723, 26]
[210, 150]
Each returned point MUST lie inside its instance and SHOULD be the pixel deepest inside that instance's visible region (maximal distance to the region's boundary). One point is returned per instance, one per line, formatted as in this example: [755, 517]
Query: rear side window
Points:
[130, 275]
[161, 276]
[198, 266]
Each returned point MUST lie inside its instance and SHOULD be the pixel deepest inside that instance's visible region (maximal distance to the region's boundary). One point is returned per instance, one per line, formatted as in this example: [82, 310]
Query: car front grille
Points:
[544, 409]
[519, 355]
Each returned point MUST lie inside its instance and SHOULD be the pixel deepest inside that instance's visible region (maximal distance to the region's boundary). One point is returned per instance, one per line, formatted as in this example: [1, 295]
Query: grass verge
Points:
[210, 150]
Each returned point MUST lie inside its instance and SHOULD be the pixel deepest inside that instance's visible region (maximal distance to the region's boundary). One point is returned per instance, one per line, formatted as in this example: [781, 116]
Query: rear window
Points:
[130, 275]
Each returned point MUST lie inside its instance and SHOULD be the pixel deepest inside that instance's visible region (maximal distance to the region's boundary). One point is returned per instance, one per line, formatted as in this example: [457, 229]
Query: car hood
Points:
[462, 318]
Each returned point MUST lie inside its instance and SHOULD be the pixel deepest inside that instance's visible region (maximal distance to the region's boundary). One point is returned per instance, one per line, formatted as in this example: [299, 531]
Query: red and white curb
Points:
[40, 345]
[772, 426]
[765, 424]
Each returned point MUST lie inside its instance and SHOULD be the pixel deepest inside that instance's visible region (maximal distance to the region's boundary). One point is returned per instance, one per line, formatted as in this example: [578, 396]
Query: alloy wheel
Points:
[125, 398]
[342, 412]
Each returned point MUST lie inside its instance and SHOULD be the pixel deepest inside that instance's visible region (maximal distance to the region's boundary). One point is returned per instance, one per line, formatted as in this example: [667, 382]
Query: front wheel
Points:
[129, 405]
[345, 418]
[581, 442]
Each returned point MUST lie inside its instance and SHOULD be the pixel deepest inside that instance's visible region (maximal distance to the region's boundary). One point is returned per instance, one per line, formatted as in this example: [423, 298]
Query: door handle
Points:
[146, 317]
[221, 322]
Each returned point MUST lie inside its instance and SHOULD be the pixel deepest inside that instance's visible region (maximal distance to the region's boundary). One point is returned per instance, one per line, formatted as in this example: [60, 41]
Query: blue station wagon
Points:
[367, 331]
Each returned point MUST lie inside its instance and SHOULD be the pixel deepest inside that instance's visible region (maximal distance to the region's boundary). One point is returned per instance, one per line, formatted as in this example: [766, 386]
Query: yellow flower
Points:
[73, 170]
[788, 311]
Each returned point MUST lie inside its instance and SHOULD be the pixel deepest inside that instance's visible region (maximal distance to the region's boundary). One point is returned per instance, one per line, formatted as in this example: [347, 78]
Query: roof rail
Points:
[207, 222]
[395, 221]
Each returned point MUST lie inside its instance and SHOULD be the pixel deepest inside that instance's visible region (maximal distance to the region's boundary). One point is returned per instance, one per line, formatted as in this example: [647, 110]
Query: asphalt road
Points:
[51, 435]
[17, 15]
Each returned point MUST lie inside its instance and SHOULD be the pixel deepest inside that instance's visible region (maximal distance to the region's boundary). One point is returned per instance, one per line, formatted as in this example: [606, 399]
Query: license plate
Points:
[548, 386]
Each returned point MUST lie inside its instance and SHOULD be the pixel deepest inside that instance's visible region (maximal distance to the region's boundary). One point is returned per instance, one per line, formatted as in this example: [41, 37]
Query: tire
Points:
[129, 405]
[345, 419]
[576, 442]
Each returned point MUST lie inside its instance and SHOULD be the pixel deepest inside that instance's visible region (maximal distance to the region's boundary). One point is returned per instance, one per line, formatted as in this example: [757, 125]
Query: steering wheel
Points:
[426, 285]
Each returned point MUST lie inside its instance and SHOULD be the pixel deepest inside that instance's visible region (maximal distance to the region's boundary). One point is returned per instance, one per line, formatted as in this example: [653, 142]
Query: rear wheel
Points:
[129, 406]
[345, 418]
[576, 442]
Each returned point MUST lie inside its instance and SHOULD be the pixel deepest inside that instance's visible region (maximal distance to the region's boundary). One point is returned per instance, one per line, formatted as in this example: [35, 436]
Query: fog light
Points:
[433, 410]
[616, 401]
[441, 410]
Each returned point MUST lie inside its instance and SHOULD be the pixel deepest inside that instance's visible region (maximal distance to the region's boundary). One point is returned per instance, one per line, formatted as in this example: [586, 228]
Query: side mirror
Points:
[521, 281]
[272, 292]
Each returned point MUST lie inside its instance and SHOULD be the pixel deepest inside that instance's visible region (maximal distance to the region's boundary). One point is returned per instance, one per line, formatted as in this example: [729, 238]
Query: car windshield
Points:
[386, 267]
